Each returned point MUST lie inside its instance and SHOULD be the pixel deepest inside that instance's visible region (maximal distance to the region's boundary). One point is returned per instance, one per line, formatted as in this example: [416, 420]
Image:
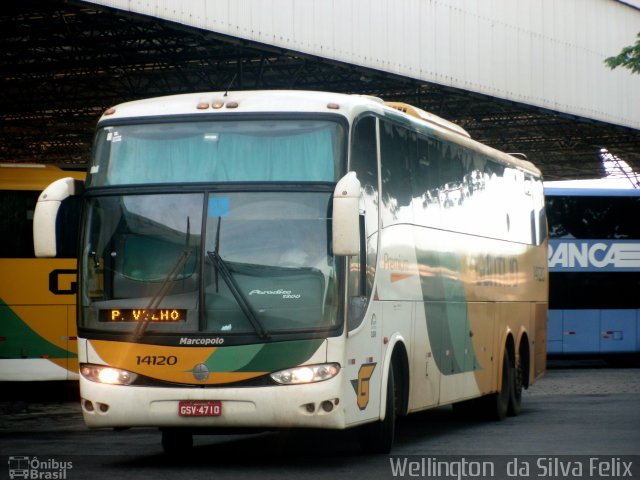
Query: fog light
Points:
[327, 405]
[88, 406]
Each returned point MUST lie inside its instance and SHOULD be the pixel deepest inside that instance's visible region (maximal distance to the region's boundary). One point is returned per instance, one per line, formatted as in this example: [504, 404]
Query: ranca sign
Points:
[593, 255]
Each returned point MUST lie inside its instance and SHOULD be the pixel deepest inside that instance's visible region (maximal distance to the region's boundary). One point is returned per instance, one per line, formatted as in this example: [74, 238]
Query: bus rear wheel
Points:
[515, 393]
[496, 405]
[378, 437]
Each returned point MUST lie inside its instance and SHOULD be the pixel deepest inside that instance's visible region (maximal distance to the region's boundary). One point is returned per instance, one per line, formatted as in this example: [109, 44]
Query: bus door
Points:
[363, 368]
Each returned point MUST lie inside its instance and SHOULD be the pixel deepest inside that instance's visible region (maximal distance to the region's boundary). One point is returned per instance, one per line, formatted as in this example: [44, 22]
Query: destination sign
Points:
[160, 315]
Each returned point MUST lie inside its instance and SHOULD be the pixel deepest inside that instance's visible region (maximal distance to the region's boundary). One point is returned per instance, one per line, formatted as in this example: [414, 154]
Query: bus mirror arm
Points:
[45, 215]
[346, 213]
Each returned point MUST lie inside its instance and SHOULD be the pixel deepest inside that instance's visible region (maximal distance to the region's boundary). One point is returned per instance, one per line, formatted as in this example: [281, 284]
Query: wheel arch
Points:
[396, 354]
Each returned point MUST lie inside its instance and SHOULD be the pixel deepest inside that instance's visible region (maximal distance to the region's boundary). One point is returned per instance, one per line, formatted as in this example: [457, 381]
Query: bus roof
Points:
[32, 176]
[286, 101]
[245, 101]
[601, 187]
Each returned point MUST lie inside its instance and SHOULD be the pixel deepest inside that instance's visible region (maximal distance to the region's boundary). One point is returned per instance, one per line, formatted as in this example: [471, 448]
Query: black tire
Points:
[176, 442]
[497, 404]
[378, 437]
[515, 394]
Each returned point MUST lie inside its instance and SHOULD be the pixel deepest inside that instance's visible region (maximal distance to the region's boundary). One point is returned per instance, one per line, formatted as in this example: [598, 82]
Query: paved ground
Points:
[586, 377]
[578, 411]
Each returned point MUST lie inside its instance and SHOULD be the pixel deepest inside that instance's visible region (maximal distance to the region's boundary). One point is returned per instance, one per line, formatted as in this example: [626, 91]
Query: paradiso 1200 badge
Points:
[283, 293]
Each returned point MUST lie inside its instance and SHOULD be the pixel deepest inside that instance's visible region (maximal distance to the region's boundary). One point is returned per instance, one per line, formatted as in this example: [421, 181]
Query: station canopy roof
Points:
[65, 62]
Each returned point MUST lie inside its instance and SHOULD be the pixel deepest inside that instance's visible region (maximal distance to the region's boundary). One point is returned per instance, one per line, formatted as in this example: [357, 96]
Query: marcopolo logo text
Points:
[202, 342]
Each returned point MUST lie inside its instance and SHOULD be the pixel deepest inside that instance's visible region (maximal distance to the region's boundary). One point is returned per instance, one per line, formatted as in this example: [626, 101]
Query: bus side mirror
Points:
[346, 213]
[46, 236]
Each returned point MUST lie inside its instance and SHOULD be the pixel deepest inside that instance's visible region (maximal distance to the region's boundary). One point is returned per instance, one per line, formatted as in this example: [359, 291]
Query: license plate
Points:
[200, 408]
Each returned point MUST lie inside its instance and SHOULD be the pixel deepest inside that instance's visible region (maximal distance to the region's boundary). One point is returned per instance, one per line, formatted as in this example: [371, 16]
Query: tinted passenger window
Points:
[593, 217]
[16, 223]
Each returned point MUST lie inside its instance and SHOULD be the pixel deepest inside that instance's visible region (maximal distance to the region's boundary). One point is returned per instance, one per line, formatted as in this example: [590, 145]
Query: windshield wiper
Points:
[234, 288]
[166, 285]
[162, 292]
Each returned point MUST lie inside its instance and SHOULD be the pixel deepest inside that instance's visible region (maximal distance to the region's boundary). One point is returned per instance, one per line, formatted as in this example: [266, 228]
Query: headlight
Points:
[306, 374]
[110, 375]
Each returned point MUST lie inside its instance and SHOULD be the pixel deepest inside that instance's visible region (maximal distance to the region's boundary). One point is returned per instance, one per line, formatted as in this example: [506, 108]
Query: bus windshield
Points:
[220, 151]
[246, 263]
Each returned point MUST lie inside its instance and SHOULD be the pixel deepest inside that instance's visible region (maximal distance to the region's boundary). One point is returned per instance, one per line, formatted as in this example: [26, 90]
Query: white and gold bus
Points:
[37, 295]
[282, 259]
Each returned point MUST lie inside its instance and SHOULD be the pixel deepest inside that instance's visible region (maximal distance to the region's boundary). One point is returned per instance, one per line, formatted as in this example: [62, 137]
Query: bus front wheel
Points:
[378, 437]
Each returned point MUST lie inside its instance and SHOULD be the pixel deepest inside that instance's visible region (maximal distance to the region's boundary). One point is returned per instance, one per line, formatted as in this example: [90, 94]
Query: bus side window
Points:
[398, 151]
[16, 223]
[68, 227]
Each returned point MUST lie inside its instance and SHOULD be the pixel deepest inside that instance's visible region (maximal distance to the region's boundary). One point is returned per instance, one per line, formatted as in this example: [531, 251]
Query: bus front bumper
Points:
[313, 405]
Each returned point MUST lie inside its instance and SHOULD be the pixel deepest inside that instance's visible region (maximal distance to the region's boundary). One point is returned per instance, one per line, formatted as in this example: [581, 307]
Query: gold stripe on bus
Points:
[29, 281]
[70, 364]
[171, 364]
